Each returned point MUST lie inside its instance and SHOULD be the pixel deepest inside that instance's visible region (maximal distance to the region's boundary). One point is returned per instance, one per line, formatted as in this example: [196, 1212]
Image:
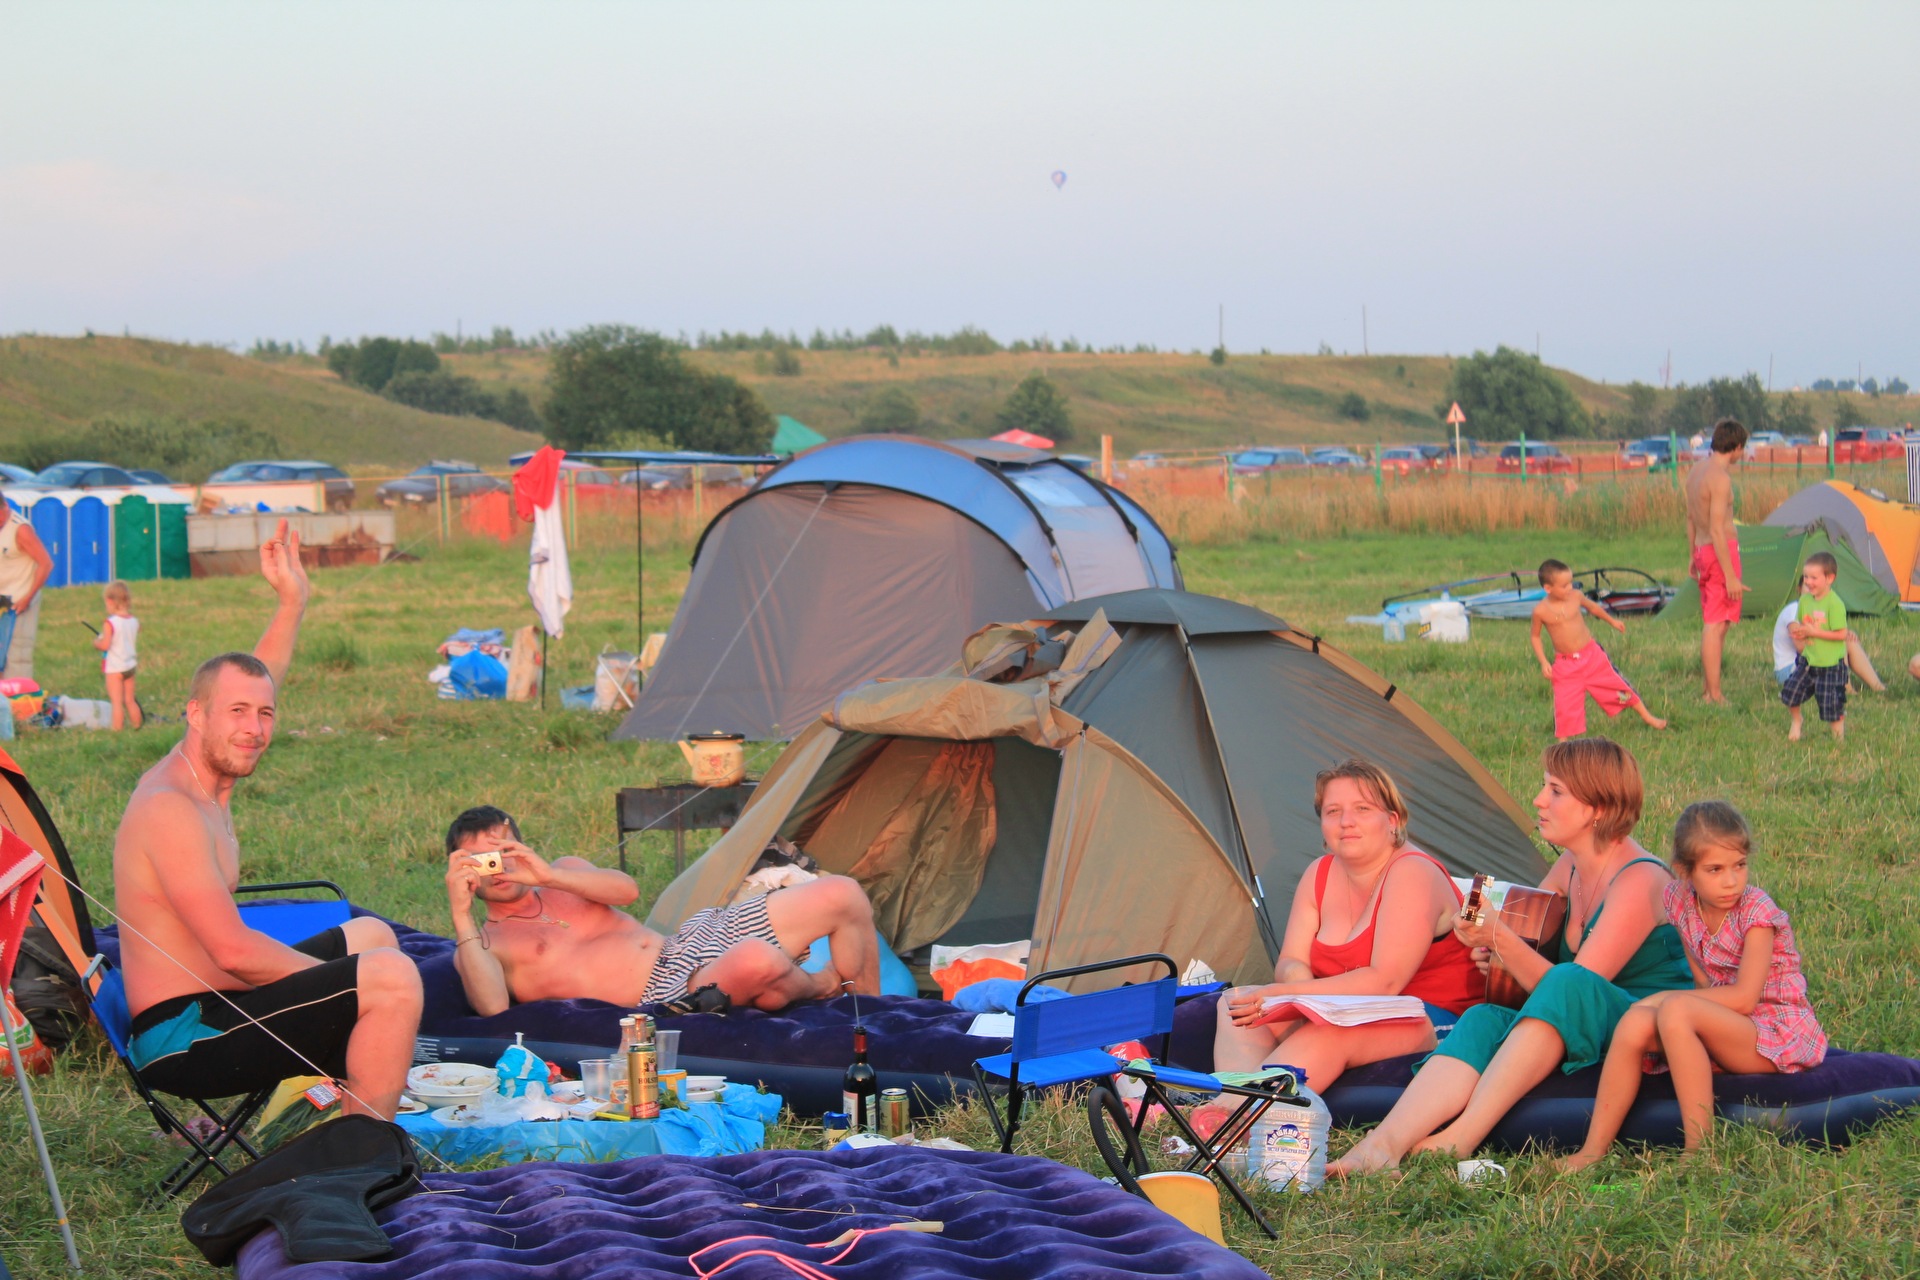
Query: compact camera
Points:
[489, 862]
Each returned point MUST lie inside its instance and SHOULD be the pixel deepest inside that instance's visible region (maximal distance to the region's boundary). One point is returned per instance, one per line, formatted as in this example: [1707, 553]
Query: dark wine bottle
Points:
[860, 1088]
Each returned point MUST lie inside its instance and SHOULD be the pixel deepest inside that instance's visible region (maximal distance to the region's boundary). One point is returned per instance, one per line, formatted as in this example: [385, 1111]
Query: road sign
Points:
[1454, 416]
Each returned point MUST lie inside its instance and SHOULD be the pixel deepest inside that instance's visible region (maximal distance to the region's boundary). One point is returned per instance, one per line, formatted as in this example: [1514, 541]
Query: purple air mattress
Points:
[1829, 1105]
[637, 1219]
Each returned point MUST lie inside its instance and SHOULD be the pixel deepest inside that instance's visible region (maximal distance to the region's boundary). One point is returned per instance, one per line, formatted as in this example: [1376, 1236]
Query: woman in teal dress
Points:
[1619, 948]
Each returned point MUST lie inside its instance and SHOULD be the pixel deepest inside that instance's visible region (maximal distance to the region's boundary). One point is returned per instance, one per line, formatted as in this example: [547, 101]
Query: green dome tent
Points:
[791, 436]
[1770, 561]
[1133, 774]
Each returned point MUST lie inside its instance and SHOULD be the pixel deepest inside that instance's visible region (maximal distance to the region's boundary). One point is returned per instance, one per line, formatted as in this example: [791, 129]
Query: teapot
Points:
[716, 759]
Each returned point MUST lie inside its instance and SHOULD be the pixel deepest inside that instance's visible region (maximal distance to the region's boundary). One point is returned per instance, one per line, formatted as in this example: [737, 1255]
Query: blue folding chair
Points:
[1063, 1042]
[289, 922]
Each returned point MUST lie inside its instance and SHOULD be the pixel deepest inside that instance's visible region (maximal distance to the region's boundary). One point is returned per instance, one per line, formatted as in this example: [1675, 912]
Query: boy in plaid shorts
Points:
[1820, 672]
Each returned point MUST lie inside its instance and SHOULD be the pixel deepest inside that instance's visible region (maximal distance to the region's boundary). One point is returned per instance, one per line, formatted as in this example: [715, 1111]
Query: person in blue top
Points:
[1617, 948]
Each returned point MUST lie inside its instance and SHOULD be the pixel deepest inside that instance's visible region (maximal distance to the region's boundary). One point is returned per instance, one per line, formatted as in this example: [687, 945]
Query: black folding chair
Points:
[287, 922]
[1062, 1042]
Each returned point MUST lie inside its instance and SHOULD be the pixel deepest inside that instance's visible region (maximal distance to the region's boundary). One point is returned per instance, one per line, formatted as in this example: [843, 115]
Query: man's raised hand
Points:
[280, 566]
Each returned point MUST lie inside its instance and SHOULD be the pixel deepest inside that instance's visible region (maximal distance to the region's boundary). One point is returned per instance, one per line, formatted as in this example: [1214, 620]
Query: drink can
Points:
[896, 1112]
[643, 1083]
[835, 1126]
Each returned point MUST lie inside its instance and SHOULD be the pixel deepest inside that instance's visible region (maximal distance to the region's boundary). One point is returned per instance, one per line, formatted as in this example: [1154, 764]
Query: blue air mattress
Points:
[637, 1219]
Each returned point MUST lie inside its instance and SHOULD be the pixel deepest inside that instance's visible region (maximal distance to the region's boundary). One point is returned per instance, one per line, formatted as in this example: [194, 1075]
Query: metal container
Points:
[896, 1113]
[835, 1126]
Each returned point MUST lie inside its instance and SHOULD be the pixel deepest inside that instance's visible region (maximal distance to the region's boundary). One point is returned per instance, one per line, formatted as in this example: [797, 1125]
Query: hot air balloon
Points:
[1059, 178]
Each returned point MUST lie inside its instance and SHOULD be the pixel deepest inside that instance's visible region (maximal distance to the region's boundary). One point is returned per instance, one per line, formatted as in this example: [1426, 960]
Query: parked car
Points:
[658, 478]
[340, 490]
[1653, 452]
[422, 485]
[1800, 442]
[1766, 440]
[1405, 458]
[1438, 455]
[1149, 460]
[1542, 459]
[19, 477]
[1335, 458]
[1867, 444]
[86, 475]
[1252, 462]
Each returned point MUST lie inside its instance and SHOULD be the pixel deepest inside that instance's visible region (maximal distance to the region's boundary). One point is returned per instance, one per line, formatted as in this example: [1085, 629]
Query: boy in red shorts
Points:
[1715, 548]
[1580, 666]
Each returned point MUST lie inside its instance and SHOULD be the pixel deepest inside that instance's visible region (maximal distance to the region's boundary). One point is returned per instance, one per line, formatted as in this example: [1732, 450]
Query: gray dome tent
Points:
[1133, 775]
[876, 556]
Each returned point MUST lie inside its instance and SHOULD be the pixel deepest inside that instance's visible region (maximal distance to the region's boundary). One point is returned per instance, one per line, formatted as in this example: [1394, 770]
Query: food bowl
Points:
[705, 1084]
[446, 1084]
[703, 1095]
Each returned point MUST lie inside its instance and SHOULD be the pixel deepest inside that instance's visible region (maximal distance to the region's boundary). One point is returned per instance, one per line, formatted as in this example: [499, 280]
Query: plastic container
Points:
[1288, 1146]
[667, 1044]
[6, 720]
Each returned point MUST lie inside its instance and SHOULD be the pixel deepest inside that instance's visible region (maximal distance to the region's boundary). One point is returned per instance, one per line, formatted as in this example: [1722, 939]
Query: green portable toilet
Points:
[136, 541]
[172, 519]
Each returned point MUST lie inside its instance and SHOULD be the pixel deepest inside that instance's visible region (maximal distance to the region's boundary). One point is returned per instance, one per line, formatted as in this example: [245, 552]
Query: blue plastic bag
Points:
[477, 675]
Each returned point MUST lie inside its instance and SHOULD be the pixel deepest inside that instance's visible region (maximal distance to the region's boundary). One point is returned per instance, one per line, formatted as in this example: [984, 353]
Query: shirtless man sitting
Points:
[554, 931]
[220, 1009]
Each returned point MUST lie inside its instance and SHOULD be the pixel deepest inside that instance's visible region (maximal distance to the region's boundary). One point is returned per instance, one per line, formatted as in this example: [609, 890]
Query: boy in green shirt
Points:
[1820, 672]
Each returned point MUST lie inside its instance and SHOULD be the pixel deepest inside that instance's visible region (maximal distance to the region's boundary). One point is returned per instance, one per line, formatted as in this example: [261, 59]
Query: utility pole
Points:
[1364, 349]
[1666, 371]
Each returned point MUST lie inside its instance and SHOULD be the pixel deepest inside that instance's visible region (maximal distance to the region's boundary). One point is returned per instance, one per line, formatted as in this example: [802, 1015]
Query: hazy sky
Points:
[1732, 182]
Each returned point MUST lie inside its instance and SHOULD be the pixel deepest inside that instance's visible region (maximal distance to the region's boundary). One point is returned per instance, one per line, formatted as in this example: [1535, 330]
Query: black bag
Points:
[320, 1191]
[47, 989]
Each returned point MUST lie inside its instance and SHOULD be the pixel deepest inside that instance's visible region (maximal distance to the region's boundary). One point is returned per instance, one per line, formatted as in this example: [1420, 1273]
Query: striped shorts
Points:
[703, 938]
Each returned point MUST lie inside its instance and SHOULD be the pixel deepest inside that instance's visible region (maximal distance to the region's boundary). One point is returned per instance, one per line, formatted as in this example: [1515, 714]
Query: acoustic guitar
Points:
[1536, 915]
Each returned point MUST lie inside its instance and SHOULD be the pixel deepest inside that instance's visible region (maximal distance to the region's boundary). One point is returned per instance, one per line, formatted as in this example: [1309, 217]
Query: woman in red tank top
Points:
[1372, 917]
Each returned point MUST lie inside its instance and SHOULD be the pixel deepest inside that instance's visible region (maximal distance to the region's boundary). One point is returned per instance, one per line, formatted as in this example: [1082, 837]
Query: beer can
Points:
[643, 1083]
[835, 1126]
[896, 1113]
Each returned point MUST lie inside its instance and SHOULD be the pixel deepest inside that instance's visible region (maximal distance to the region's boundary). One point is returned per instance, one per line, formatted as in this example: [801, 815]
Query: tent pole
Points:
[39, 1139]
[543, 667]
[640, 572]
[1233, 804]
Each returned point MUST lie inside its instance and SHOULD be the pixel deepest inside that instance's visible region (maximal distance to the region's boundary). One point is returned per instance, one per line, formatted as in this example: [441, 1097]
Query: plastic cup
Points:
[596, 1075]
[667, 1045]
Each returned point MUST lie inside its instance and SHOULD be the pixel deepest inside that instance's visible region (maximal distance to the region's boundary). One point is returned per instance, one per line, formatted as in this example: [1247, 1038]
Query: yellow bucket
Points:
[1190, 1197]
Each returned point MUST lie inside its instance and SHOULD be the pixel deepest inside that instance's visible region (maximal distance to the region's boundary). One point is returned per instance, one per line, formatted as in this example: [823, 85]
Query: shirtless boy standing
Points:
[220, 1009]
[1580, 666]
[1714, 548]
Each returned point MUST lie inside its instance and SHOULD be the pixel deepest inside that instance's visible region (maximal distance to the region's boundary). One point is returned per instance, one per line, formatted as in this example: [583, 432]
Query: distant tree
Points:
[1823, 384]
[786, 364]
[610, 383]
[890, 411]
[1847, 414]
[1896, 386]
[1639, 417]
[1845, 384]
[1795, 416]
[1696, 409]
[461, 396]
[881, 335]
[1037, 405]
[1354, 405]
[1871, 386]
[373, 362]
[1218, 355]
[1510, 392]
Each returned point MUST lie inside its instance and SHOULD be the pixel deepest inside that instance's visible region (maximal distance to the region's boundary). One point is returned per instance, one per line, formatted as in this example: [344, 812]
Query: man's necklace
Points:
[540, 915]
[226, 814]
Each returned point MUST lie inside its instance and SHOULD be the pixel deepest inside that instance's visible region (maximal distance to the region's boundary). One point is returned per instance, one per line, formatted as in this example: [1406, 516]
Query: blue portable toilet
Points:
[90, 553]
[50, 519]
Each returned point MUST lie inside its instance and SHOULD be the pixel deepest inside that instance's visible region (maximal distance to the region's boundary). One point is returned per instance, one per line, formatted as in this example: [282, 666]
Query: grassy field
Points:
[368, 766]
[49, 386]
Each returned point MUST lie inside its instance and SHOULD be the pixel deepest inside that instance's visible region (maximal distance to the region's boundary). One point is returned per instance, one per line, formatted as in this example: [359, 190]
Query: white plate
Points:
[459, 1117]
[450, 1076]
[410, 1106]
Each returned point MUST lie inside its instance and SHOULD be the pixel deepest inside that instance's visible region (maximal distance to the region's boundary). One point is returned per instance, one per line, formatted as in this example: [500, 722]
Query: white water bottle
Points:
[1288, 1145]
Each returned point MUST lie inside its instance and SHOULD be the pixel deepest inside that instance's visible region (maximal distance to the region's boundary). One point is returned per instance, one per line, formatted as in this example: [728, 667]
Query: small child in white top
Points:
[117, 641]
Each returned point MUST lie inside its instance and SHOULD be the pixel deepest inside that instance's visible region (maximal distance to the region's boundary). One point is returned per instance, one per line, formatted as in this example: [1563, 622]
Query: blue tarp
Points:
[736, 1124]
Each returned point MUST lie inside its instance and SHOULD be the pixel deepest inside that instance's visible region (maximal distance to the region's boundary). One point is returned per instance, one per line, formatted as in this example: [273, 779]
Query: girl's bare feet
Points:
[1365, 1156]
[1443, 1142]
[1580, 1159]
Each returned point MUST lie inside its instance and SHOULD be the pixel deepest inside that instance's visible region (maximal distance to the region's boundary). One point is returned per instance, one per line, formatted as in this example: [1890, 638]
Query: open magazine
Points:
[1342, 1011]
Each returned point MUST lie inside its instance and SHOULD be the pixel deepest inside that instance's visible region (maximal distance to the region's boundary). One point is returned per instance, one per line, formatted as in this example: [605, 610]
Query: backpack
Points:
[47, 990]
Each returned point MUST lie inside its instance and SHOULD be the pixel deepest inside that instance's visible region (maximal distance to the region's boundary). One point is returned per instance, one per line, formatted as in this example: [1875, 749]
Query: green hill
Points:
[1161, 401]
[53, 386]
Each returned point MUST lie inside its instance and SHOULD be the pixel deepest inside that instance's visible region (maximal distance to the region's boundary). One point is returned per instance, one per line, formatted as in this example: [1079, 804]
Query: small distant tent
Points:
[1025, 439]
[1133, 774]
[876, 556]
[791, 436]
[1884, 535]
[1770, 562]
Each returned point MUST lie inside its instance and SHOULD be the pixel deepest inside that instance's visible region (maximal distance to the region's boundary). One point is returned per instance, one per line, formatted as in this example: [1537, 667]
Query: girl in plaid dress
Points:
[1748, 1013]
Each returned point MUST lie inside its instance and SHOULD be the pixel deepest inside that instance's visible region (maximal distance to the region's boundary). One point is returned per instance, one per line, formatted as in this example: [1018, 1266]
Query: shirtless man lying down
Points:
[554, 931]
